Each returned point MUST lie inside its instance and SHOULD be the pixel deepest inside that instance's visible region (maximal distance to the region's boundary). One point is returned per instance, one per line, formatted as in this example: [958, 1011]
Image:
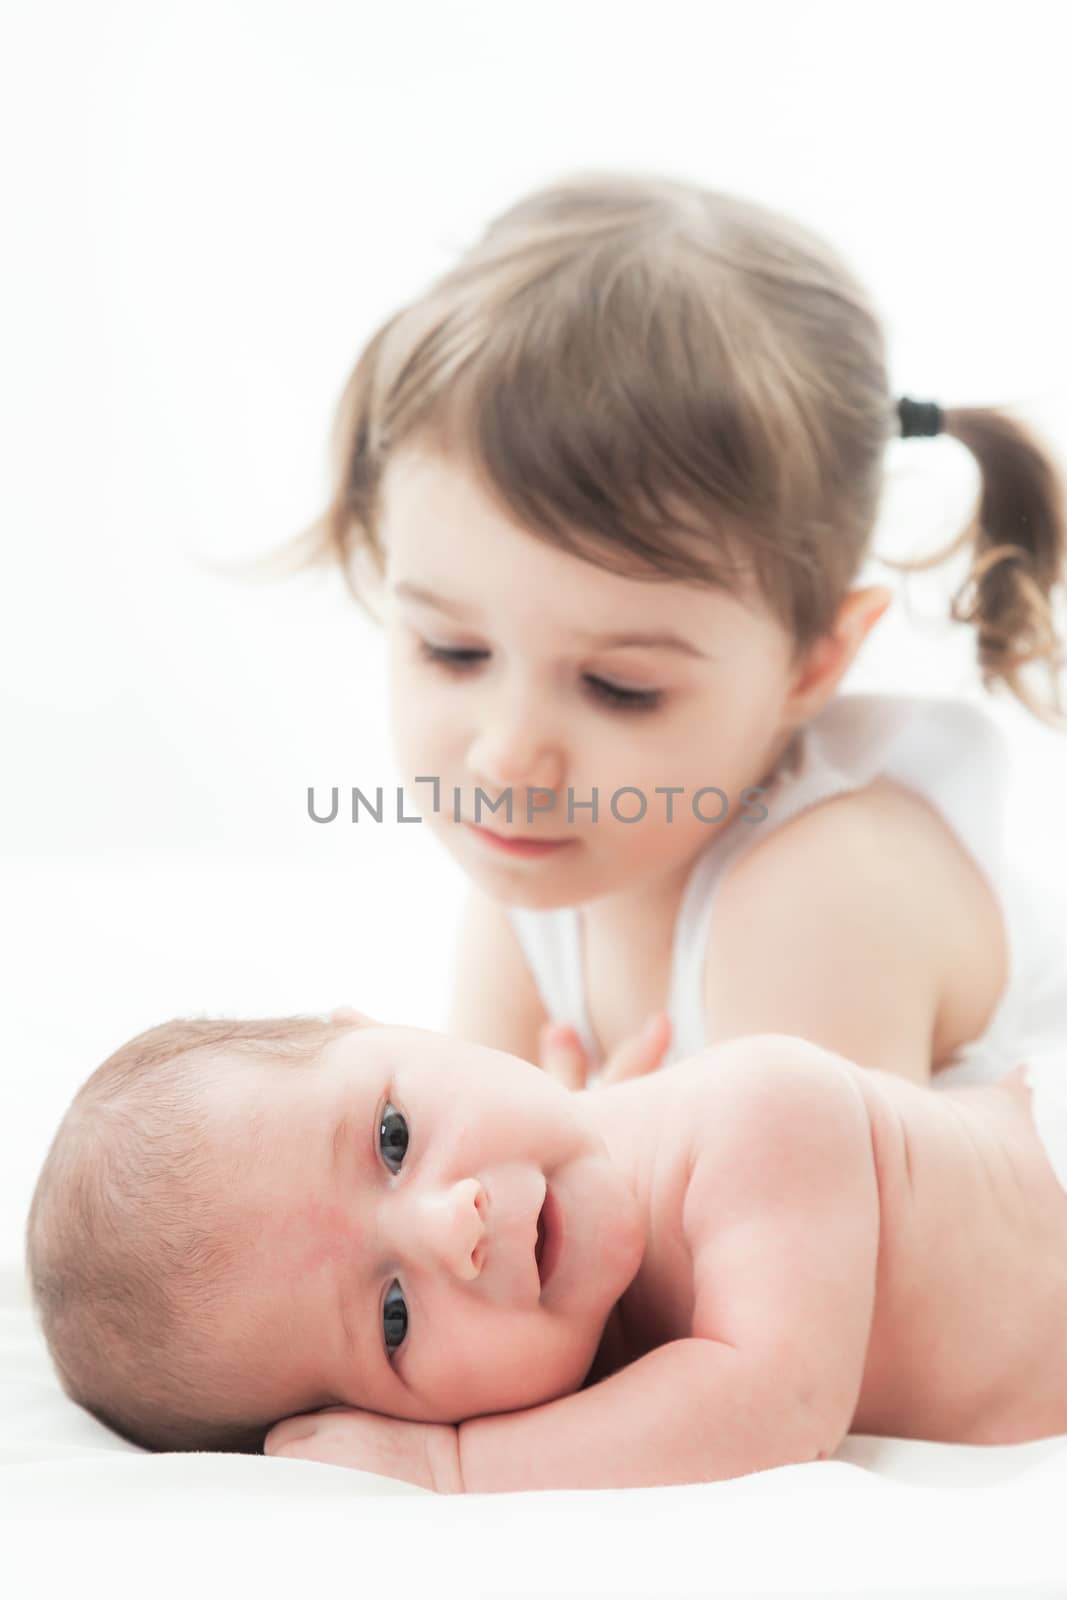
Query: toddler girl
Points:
[609, 484]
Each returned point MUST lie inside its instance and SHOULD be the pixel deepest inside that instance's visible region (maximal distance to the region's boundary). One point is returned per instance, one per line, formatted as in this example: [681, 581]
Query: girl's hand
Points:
[424, 1453]
[563, 1056]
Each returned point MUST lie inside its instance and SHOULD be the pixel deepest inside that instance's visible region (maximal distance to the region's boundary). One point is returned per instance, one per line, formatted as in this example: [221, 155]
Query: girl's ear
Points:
[831, 656]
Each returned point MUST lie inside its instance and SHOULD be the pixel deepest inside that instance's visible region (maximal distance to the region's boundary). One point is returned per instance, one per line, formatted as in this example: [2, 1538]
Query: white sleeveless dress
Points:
[949, 752]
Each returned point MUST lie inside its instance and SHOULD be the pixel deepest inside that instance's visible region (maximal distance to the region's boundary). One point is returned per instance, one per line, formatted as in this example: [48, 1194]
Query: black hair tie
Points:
[918, 418]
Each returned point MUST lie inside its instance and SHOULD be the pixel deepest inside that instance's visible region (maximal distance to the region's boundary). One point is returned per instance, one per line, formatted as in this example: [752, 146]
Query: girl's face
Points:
[514, 666]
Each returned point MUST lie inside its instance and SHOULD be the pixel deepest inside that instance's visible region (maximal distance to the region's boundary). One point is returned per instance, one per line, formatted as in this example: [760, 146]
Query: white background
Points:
[208, 208]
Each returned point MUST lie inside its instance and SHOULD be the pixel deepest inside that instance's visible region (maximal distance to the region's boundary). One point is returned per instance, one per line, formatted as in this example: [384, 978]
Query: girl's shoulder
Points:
[885, 821]
[876, 861]
[928, 775]
[873, 880]
[881, 817]
[921, 734]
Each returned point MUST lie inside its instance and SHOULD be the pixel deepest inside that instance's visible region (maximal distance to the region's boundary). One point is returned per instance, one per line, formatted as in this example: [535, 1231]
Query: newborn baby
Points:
[496, 1283]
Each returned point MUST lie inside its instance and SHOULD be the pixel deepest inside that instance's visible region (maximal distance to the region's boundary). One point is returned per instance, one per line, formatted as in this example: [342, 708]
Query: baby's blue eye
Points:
[394, 1318]
[392, 1137]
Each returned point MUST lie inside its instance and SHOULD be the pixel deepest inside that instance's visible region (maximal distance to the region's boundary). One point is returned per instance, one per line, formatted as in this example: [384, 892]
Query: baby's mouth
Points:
[551, 1237]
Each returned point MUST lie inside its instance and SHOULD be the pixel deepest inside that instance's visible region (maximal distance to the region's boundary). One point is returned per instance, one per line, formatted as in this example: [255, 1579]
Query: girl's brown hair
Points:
[623, 360]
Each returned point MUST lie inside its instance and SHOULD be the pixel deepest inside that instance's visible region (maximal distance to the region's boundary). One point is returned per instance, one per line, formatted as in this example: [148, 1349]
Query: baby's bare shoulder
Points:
[765, 1114]
[765, 1081]
[781, 1211]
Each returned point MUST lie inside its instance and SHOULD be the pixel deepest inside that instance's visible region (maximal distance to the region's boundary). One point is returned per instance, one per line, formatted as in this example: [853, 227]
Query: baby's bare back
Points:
[969, 1338]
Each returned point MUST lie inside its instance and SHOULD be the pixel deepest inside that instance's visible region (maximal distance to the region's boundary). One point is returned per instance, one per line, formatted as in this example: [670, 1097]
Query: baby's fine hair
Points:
[623, 359]
[128, 1261]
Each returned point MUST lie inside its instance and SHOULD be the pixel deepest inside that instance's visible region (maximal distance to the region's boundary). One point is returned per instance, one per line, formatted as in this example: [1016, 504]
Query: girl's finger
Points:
[562, 1056]
[643, 1053]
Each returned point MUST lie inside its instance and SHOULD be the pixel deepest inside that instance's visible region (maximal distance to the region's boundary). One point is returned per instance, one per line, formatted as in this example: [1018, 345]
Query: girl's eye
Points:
[630, 699]
[394, 1318]
[392, 1137]
[450, 658]
[614, 695]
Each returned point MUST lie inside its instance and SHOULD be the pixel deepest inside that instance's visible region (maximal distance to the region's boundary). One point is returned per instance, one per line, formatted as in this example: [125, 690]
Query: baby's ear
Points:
[356, 1019]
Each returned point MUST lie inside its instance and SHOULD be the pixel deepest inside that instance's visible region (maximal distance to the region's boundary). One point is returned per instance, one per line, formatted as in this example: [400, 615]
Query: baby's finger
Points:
[284, 1435]
[641, 1054]
[562, 1055]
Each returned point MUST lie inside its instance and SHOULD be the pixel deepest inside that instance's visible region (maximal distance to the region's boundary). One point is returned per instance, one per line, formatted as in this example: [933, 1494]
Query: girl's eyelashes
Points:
[612, 694]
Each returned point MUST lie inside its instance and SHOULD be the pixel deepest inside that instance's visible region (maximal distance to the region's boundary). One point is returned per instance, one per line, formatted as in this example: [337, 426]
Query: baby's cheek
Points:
[314, 1235]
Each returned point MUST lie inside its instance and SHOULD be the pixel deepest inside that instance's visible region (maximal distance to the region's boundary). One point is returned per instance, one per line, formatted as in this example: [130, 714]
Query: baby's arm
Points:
[692, 1411]
[782, 1218]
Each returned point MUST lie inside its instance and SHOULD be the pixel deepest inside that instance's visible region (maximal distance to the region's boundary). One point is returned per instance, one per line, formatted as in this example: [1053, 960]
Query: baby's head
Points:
[238, 1221]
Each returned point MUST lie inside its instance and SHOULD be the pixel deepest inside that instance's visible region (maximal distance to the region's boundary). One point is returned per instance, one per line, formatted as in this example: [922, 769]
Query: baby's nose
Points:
[454, 1220]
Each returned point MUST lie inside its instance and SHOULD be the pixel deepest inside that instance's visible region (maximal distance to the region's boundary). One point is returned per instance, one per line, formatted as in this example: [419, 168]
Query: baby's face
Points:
[434, 1229]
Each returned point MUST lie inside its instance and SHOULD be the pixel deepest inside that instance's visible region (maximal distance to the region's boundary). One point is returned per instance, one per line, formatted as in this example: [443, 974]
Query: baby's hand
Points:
[425, 1453]
[563, 1057]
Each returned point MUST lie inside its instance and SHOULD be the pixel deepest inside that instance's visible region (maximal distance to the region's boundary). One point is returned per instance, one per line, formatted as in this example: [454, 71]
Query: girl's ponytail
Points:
[1018, 536]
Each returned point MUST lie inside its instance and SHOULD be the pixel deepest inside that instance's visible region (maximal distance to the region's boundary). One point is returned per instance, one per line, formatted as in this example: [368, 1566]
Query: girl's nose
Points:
[452, 1225]
[508, 755]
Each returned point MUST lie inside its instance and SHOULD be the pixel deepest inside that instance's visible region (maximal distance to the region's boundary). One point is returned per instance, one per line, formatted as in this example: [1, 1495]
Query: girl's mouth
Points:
[518, 846]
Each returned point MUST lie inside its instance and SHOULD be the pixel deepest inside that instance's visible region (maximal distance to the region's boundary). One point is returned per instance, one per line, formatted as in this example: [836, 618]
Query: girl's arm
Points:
[495, 1001]
[830, 933]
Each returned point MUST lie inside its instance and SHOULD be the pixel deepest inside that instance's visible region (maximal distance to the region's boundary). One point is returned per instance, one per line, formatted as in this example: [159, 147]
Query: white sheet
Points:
[885, 1516]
